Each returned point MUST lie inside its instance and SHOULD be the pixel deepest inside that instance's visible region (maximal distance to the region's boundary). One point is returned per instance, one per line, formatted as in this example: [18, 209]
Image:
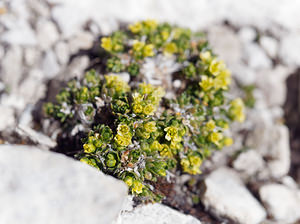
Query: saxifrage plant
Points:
[134, 131]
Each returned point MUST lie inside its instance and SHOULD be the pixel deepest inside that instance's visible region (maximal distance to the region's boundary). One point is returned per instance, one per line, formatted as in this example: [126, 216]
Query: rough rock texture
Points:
[282, 203]
[226, 196]
[43, 187]
[154, 214]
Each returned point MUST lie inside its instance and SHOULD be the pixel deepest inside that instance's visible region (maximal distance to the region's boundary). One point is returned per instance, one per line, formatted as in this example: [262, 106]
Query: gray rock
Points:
[225, 43]
[46, 187]
[50, 66]
[226, 196]
[76, 18]
[20, 33]
[11, 72]
[154, 214]
[39, 7]
[7, 118]
[256, 57]
[247, 34]
[77, 66]
[82, 40]
[31, 56]
[62, 52]
[289, 49]
[44, 141]
[279, 151]
[33, 87]
[273, 79]
[47, 34]
[249, 163]
[270, 45]
[281, 202]
[243, 74]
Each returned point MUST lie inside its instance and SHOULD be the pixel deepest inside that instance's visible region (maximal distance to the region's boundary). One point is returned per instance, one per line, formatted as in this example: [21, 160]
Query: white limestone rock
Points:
[270, 45]
[62, 52]
[226, 196]
[11, 72]
[256, 57]
[50, 66]
[7, 118]
[154, 214]
[282, 203]
[289, 49]
[81, 41]
[45, 187]
[47, 34]
[249, 162]
[226, 44]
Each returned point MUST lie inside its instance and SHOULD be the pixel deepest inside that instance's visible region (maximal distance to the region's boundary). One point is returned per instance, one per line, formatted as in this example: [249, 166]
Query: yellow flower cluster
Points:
[123, 136]
[216, 137]
[147, 99]
[136, 186]
[143, 49]
[170, 48]
[221, 75]
[191, 164]
[237, 110]
[174, 135]
[148, 25]
[117, 84]
[109, 45]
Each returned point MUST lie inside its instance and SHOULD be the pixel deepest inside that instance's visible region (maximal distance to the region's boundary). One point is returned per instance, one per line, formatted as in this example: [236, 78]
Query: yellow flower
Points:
[136, 27]
[223, 80]
[137, 97]
[159, 92]
[149, 109]
[155, 146]
[137, 108]
[210, 125]
[89, 148]
[150, 126]
[151, 24]
[106, 43]
[137, 187]
[215, 137]
[146, 88]
[216, 67]
[165, 35]
[172, 134]
[165, 151]
[123, 140]
[123, 129]
[117, 83]
[138, 45]
[206, 83]
[191, 164]
[148, 50]
[205, 56]
[236, 110]
[228, 141]
[170, 48]
[129, 181]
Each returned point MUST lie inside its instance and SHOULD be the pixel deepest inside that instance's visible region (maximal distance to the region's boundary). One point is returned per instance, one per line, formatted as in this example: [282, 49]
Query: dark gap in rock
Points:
[292, 120]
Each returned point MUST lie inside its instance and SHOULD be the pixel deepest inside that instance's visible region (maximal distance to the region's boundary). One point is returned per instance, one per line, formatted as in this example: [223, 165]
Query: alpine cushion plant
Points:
[135, 130]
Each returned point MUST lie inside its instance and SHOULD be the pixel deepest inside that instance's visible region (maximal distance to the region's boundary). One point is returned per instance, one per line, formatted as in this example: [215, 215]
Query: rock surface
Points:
[282, 203]
[155, 214]
[43, 187]
[226, 196]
